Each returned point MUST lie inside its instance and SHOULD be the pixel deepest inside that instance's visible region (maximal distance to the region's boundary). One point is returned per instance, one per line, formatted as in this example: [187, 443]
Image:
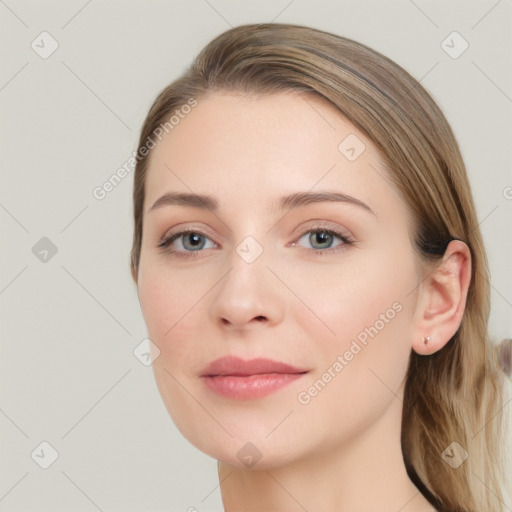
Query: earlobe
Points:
[442, 299]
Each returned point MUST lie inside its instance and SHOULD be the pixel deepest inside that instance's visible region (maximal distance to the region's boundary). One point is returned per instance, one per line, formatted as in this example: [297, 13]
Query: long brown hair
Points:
[454, 395]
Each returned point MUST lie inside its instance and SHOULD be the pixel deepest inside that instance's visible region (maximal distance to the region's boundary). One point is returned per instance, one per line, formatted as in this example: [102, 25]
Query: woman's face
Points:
[324, 286]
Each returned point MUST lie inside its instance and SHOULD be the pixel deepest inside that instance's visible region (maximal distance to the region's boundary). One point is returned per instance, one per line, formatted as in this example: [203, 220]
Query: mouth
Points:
[238, 379]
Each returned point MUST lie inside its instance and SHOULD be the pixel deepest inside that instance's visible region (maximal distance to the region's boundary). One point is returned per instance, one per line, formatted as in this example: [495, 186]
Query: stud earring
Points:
[426, 340]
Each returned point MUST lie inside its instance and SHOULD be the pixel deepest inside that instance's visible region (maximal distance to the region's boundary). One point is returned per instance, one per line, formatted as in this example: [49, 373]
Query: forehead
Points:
[247, 146]
[224, 120]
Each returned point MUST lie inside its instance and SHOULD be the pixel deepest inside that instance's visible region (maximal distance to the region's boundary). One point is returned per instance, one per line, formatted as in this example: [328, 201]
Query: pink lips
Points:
[235, 378]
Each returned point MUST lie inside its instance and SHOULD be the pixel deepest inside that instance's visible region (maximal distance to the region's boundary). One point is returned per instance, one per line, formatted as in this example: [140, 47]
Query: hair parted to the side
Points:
[454, 395]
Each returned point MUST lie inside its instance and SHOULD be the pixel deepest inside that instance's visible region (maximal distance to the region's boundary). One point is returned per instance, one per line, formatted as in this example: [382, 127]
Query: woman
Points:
[312, 276]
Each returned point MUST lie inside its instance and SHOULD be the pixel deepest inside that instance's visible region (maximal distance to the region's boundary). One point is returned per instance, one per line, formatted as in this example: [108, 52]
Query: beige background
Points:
[69, 121]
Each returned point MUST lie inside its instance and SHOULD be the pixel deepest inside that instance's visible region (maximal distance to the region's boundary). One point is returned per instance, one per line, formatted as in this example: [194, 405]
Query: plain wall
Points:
[68, 123]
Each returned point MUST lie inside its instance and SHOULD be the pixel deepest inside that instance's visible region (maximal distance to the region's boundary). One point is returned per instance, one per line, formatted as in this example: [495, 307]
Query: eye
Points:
[321, 240]
[187, 241]
[190, 243]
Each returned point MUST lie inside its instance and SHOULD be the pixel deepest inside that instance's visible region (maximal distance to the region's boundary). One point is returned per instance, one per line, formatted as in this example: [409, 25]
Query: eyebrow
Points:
[291, 201]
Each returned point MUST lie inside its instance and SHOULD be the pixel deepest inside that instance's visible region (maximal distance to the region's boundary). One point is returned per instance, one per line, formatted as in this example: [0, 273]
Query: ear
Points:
[442, 299]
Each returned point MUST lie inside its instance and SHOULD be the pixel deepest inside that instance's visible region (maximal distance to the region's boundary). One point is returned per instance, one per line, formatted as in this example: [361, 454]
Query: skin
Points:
[340, 451]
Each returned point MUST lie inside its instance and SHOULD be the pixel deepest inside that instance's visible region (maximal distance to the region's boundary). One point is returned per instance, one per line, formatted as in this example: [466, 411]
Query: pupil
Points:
[322, 237]
[194, 240]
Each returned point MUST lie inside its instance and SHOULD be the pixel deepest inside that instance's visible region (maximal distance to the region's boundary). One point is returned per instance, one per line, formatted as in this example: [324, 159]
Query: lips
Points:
[235, 366]
[237, 379]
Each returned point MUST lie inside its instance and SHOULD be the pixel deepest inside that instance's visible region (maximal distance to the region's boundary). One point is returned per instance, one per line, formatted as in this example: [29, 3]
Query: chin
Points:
[247, 449]
[251, 456]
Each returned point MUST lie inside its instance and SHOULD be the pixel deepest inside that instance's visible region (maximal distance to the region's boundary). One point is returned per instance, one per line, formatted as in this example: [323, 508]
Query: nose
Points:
[248, 296]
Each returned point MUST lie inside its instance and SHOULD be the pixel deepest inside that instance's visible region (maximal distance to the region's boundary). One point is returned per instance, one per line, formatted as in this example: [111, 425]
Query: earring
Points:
[426, 340]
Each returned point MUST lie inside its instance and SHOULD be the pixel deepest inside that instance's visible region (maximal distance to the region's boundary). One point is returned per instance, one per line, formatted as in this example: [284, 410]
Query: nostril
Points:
[259, 318]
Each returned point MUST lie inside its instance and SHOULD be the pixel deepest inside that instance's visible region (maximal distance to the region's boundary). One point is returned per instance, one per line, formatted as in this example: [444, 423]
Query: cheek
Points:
[362, 310]
[163, 302]
[170, 307]
[344, 298]
[158, 303]
[173, 303]
[360, 368]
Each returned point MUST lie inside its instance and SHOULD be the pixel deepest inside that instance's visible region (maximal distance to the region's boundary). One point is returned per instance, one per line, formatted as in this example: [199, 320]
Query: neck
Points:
[364, 474]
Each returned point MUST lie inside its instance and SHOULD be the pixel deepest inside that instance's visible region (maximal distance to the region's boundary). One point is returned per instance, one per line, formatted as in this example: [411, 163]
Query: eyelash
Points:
[164, 244]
